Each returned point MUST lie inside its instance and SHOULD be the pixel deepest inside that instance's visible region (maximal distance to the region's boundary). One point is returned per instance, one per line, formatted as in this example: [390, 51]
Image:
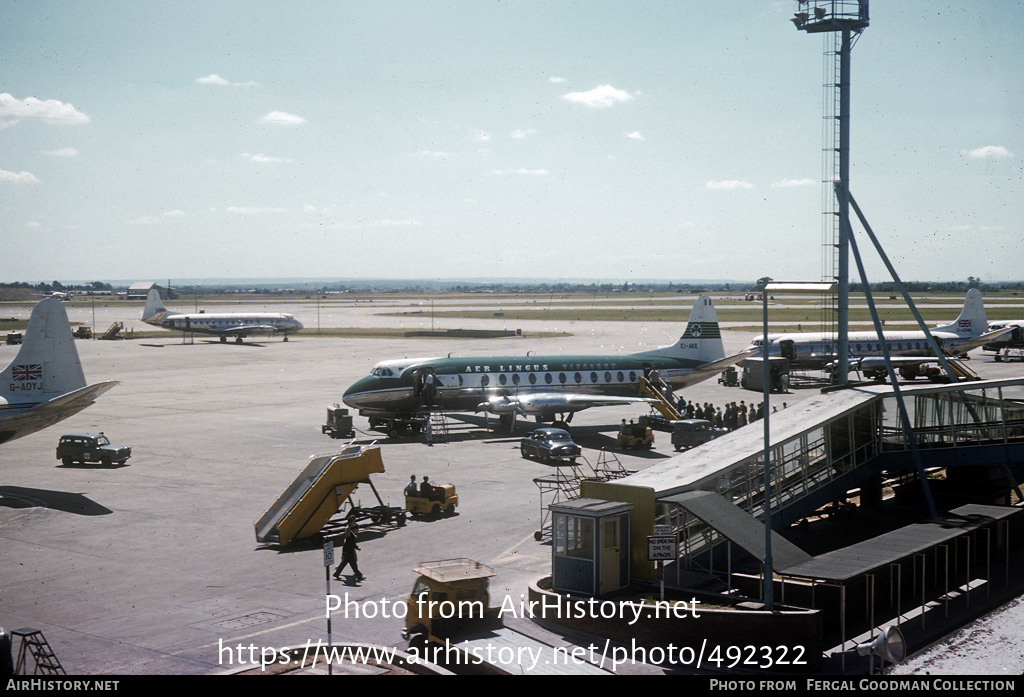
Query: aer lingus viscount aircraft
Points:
[544, 387]
[237, 325]
[44, 383]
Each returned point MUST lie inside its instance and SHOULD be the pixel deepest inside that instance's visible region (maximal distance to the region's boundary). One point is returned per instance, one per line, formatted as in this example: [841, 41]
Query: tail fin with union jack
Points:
[47, 363]
[44, 383]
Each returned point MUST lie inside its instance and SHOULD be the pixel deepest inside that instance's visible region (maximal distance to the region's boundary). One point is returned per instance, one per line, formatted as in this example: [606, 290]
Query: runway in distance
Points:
[221, 324]
[544, 387]
[44, 383]
[816, 350]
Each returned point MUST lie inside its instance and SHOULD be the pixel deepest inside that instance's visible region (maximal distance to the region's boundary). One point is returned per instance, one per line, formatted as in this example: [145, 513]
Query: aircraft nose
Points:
[359, 393]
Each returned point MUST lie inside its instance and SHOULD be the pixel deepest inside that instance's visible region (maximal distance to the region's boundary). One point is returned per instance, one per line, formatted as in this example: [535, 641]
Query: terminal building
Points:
[833, 459]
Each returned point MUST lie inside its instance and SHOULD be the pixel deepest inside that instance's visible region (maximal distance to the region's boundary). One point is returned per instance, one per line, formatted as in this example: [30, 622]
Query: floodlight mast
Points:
[848, 18]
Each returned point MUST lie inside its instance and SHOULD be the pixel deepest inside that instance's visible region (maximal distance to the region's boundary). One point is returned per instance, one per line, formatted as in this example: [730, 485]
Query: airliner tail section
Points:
[972, 320]
[154, 311]
[701, 340]
[47, 363]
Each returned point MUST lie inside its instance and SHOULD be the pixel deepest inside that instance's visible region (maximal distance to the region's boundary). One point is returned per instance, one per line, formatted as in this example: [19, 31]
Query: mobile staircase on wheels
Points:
[324, 487]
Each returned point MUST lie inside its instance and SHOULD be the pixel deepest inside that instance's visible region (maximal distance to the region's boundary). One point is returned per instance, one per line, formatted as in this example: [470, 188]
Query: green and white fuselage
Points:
[541, 386]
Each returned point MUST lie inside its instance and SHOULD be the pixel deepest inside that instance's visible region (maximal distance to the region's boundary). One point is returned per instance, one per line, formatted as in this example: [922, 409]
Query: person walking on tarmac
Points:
[412, 488]
[348, 553]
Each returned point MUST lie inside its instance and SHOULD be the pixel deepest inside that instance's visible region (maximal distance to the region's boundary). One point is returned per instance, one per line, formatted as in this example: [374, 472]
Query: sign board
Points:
[328, 553]
[662, 530]
[661, 547]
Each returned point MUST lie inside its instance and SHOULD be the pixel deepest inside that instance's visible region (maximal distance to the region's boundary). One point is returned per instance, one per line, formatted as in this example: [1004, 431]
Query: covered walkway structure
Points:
[821, 448]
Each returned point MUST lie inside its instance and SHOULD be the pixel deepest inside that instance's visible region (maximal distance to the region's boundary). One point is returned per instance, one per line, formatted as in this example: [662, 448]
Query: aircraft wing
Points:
[878, 362]
[970, 344]
[245, 329]
[549, 403]
[49, 413]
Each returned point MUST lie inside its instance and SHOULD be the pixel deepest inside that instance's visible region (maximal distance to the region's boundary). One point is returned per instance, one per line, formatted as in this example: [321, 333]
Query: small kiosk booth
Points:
[590, 550]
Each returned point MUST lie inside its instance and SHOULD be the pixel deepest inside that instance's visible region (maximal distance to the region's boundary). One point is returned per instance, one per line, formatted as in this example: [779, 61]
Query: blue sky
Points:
[475, 139]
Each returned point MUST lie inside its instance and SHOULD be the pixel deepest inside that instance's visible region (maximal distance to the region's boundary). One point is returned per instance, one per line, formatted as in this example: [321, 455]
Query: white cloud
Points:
[784, 183]
[49, 111]
[435, 153]
[283, 118]
[989, 152]
[635, 135]
[17, 177]
[259, 157]
[521, 133]
[555, 79]
[62, 152]
[726, 184]
[174, 214]
[215, 79]
[603, 96]
[480, 136]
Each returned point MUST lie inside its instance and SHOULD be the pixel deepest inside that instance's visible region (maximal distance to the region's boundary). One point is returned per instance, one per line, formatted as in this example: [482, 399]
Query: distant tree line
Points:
[57, 286]
[512, 286]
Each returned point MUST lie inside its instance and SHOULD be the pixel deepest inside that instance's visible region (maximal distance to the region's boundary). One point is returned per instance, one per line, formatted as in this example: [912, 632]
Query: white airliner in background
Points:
[1013, 338]
[44, 383]
[223, 324]
[815, 350]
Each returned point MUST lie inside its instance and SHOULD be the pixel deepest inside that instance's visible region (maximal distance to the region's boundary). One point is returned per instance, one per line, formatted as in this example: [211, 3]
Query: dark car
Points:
[550, 444]
[91, 447]
[689, 433]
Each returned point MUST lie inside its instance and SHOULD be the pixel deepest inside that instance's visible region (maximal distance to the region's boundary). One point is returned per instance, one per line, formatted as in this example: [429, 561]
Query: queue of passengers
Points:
[732, 417]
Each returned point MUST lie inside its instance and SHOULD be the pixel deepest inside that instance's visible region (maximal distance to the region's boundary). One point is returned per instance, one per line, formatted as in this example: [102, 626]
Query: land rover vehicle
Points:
[91, 447]
[550, 444]
[690, 433]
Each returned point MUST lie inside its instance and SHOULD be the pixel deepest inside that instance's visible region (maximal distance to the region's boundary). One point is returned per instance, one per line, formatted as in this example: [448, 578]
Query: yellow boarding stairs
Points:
[321, 489]
[666, 407]
[961, 371]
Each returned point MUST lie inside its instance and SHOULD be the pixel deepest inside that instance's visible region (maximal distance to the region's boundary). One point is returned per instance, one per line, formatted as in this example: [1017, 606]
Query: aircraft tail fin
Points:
[972, 320]
[154, 311]
[701, 340]
[47, 363]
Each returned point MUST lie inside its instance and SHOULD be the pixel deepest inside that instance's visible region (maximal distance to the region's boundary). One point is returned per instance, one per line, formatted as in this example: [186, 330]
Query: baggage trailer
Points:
[339, 423]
